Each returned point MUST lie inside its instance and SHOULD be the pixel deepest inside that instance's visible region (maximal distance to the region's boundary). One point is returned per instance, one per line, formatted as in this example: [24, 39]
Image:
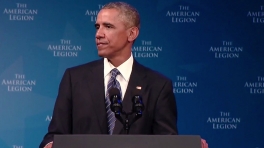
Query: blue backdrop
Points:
[212, 51]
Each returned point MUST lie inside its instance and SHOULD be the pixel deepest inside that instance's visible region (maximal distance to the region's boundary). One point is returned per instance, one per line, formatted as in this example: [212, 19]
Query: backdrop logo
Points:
[93, 13]
[19, 84]
[146, 50]
[256, 87]
[257, 16]
[20, 13]
[183, 15]
[224, 121]
[48, 118]
[17, 146]
[227, 50]
[65, 49]
[182, 86]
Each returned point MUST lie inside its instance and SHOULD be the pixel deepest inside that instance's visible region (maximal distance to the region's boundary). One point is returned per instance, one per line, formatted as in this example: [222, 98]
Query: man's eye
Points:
[96, 26]
[108, 26]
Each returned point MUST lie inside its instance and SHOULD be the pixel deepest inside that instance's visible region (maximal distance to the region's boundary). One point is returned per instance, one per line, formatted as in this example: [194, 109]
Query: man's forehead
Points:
[108, 15]
[109, 12]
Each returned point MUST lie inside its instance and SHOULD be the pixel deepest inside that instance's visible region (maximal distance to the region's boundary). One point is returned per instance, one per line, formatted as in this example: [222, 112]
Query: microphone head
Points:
[136, 94]
[115, 99]
[137, 102]
[113, 91]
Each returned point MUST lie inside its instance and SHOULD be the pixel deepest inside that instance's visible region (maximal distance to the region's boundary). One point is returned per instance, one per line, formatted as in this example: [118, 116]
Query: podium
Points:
[126, 141]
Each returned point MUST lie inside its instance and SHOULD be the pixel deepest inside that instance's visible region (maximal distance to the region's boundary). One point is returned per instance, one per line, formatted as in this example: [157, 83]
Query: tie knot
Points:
[114, 72]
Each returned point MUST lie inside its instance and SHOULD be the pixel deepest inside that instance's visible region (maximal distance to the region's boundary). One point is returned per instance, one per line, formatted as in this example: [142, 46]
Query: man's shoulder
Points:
[87, 66]
[154, 74]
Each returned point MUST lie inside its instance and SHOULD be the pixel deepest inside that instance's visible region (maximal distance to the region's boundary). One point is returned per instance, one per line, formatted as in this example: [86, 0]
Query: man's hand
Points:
[49, 145]
[204, 144]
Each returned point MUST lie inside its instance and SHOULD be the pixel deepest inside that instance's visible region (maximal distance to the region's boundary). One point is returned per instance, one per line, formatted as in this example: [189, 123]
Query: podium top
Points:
[127, 141]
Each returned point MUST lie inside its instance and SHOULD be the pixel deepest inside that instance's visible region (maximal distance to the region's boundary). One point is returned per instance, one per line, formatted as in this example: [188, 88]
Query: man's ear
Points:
[133, 34]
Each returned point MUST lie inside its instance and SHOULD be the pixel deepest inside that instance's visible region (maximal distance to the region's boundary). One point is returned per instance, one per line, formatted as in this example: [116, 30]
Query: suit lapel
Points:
[96, 86]
[136, 79]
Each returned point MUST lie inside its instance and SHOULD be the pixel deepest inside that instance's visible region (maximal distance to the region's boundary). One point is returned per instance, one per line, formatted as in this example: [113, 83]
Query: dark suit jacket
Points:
[80, 105]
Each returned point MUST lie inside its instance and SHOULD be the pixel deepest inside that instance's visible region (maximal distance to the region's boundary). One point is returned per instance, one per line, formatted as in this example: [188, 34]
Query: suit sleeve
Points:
[165, 116]
[62, 113]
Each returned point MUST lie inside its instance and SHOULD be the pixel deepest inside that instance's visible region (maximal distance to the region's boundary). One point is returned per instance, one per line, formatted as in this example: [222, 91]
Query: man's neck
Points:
[117, 61]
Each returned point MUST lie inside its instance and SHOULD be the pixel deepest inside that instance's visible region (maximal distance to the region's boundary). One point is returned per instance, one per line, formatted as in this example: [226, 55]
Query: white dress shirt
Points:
[125, 69]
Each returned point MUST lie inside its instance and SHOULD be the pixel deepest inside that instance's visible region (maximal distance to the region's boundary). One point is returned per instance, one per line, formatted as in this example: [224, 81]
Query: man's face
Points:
[111, 35]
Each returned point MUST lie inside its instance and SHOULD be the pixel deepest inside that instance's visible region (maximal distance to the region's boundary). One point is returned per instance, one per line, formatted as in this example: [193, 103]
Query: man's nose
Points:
[99, 33]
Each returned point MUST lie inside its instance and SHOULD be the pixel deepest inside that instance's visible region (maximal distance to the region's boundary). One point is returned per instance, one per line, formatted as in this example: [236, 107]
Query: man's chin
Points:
[101, 54]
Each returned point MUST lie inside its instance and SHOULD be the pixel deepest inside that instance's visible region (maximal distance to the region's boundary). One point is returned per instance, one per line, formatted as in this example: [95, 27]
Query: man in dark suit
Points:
[80, 107]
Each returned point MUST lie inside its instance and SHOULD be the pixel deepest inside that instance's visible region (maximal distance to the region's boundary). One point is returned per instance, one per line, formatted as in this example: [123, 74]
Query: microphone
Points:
[137, 106]
[115, 99]
[137, 103]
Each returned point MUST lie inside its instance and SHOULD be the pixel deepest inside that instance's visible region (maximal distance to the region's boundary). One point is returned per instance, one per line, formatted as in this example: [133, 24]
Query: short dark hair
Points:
[128, 13]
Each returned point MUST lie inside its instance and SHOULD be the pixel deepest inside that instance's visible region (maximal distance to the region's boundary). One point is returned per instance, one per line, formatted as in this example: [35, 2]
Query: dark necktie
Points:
[110, 115]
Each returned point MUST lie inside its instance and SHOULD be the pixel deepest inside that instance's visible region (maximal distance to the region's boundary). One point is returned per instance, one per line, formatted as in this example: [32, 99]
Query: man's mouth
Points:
[101, 44]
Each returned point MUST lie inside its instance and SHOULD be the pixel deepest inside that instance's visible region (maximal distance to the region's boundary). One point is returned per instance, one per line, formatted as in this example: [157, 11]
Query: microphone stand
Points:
[126, 124]
[137, 108]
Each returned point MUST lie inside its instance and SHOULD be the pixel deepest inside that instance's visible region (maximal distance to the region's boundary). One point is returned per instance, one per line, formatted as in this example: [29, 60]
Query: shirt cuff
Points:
[48, 144]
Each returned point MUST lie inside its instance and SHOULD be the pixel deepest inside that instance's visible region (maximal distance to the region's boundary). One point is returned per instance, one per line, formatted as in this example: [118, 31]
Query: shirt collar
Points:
[125, 68]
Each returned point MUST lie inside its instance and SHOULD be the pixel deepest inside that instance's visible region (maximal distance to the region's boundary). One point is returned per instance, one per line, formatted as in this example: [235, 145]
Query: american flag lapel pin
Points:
[138, 87]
